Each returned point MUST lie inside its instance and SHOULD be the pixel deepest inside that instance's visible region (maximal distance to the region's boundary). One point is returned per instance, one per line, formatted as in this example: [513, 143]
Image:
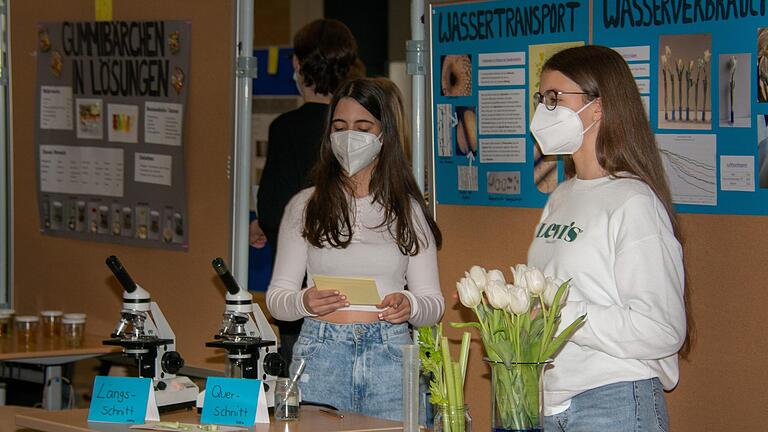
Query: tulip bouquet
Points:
[518, 324]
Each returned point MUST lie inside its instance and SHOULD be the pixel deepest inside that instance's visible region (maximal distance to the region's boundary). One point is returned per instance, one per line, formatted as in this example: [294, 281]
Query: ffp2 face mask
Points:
[355, 150]
[560, 131]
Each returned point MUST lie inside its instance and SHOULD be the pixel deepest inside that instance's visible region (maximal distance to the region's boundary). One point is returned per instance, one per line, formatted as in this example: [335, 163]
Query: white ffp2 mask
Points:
[560, 131]
[355, 150]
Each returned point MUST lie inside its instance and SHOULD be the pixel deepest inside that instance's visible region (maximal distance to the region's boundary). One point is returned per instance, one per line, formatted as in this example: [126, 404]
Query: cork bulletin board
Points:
[721, 385]
[70, 274]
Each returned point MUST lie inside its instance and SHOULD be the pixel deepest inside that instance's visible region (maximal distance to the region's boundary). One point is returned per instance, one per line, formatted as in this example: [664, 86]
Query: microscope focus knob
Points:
[172, 362]
[274, 364]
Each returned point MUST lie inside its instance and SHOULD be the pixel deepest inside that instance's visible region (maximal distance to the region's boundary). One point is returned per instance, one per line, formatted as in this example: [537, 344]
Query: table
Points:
[8, 416]
[311, 420]
[52, 353]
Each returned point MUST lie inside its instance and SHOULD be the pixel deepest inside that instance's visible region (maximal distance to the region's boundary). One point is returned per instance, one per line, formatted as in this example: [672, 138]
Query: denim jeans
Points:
[637, 406]
[354, 367]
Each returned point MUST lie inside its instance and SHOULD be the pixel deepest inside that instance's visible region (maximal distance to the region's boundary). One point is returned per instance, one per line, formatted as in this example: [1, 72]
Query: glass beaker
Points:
[286, 400]
[26, 329]
[73, 329]
[51, 322]
[452, 419]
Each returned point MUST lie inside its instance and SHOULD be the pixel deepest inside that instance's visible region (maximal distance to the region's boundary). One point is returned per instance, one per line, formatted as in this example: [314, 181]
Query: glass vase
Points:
[452, 419]
[517, 396]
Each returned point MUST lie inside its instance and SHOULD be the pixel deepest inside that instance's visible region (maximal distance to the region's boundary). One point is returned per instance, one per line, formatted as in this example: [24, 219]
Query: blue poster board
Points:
[275, 73]
[711, 130]
[486, 59]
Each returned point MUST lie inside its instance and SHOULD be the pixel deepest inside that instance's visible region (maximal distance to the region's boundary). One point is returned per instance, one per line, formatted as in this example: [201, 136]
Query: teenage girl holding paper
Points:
[366, 218]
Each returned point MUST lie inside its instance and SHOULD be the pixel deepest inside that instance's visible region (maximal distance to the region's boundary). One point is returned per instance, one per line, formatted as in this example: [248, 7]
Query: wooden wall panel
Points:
[56, 273]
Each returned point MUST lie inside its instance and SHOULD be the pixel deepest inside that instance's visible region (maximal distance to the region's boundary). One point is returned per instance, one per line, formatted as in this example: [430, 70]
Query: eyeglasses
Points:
[549, 98]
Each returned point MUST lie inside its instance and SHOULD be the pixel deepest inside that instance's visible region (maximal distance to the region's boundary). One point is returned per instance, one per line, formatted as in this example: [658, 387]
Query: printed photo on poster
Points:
[446, 121]
[735, 107]
[503, 182]
[690, 164]
[762, 65]
[685, 86]
[456, 75]
[466, 130]
[142, 222]
[544, 167]
[89, 119]
[762, 151]
[123, 123]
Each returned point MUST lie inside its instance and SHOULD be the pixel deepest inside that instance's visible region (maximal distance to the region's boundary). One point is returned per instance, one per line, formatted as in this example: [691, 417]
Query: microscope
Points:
[246, 336]
[145, 335]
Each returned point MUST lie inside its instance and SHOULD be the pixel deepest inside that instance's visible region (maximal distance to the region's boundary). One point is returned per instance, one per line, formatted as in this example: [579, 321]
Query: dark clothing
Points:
[294, 147]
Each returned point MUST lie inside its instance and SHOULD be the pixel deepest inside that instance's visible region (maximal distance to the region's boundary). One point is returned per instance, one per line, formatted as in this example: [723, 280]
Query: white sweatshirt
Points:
[613, 239]
[373, 253]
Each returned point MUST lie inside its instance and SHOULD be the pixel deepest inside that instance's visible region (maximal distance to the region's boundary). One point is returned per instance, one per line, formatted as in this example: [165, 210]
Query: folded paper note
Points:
[234, 401]
[123, 400]
[359, 291]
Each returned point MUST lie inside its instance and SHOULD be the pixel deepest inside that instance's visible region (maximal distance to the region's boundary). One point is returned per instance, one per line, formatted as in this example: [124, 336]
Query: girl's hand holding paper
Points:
[398, 308]
[323, 302]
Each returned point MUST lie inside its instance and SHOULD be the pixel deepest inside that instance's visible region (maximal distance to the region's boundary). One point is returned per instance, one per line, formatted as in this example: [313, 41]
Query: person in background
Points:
[324, 53]
[365, 217]
[610, 229]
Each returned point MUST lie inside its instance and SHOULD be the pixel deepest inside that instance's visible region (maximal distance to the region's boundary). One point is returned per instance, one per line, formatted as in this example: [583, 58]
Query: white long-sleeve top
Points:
[372, 253]
[613, 238]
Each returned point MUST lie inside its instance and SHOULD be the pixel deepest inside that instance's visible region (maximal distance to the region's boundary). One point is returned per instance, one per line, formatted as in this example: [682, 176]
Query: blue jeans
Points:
[637, 406]
[354, 367]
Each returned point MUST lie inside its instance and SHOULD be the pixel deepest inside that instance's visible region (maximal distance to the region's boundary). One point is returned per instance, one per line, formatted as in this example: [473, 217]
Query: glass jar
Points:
[286, 400]
[5, 323]
[73, 329]
[51, 322]
[452, 419]
[26, 329]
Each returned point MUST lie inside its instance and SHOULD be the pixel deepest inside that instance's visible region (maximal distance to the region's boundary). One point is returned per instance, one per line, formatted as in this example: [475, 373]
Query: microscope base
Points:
[178, 392]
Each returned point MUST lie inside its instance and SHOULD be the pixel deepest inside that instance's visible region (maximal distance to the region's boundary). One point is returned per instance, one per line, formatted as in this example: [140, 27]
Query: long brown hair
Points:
[625, 142]
[328, 218]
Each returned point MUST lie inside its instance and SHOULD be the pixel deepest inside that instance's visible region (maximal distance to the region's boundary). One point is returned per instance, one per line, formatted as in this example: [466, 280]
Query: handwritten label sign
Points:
[234, 401]
[123, 400]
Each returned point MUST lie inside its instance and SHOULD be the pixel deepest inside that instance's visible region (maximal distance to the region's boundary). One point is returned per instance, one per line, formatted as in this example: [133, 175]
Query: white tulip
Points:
[496, 275]
[534, 281]
[667, 51]
[497, 295]
[479, 275]
[469, 294]
[551, 290]
[519, 300]
[518, 272]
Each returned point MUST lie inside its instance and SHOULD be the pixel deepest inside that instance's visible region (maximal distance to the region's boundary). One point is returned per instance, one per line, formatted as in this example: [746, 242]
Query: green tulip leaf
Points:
[562, 337]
